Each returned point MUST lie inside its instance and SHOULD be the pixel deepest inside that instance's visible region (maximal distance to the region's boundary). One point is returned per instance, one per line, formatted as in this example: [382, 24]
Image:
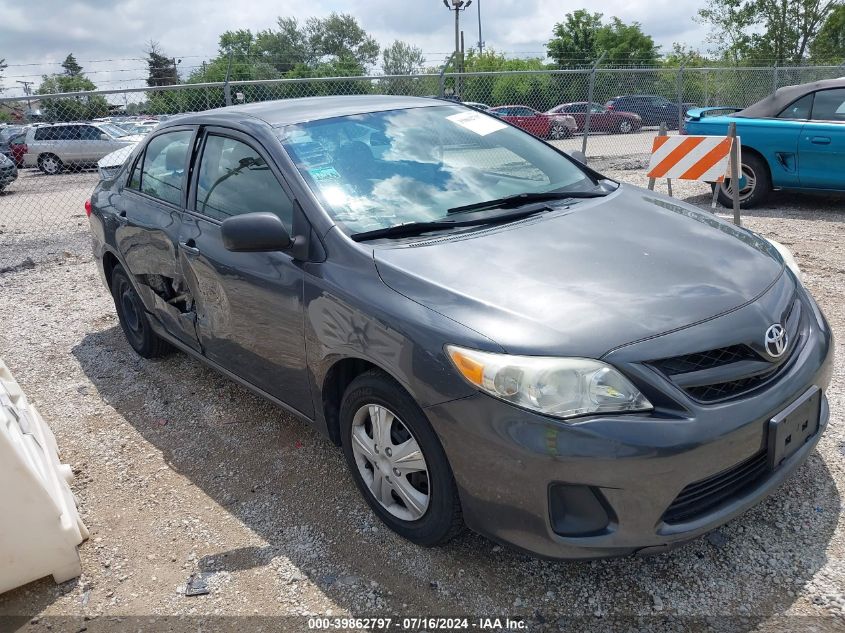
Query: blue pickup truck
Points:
[792, 139]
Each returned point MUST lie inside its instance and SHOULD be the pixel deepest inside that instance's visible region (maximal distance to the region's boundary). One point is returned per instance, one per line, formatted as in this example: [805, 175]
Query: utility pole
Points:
[457, 6]
[27, 91]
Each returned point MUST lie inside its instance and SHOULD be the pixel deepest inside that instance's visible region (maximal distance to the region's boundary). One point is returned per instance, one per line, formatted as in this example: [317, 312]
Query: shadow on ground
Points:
[289, 486]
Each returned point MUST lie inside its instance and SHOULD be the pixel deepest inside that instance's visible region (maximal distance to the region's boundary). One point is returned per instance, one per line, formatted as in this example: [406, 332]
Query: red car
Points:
[601, 118]
[17, 148]
[545, 125]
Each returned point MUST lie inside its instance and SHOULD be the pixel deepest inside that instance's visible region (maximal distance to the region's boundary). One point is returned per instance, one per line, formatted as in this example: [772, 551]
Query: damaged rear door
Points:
[250, 317]
[148, 230]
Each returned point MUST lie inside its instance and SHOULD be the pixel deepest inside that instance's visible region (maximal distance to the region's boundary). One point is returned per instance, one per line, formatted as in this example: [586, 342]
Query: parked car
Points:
[494, 333]
[8, 172]
[602, 119]
[652, 109]
[17, 149]
[110, 164]
[476, 105]
[53, 147]
[548, 126]
[7, 133]
[792, 139]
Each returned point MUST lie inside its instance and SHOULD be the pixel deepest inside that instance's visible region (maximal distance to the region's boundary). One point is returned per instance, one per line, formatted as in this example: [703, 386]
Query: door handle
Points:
[820, 140]
[189, 247]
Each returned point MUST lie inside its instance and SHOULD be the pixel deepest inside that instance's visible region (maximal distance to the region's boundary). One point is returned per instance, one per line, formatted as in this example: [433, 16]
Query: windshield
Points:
[378, 170]
[112, 130]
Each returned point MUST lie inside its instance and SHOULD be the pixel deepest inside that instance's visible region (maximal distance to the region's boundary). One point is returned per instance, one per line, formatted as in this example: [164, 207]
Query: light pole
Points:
[480, 39]
[457, 6]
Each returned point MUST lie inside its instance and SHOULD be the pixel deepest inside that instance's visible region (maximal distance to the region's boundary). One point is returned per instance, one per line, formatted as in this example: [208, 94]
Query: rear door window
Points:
[164, 162]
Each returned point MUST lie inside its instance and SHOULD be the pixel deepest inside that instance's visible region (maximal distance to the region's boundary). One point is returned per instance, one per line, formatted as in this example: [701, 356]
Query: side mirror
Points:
[255, 233]
[578, 155]
[105, 137]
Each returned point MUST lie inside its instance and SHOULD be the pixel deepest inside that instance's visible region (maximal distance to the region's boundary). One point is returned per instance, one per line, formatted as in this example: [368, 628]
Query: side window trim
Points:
[239, 136]
[812, 96]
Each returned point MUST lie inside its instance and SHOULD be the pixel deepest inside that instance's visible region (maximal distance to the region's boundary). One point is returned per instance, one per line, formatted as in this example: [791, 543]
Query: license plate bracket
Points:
[790, 429]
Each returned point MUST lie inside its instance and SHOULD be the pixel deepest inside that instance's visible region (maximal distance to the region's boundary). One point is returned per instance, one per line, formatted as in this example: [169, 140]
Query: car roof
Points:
[775, 103]
[292, 111]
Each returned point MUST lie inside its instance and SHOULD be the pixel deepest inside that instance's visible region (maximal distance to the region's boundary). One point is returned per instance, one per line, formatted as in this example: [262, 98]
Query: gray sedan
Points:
[495, 334]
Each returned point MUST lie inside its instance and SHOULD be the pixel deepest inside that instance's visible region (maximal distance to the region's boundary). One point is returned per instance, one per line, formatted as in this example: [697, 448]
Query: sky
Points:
[108, 37]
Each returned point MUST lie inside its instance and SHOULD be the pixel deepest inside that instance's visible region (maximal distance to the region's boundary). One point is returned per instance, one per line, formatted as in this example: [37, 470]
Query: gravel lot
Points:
[180, 471]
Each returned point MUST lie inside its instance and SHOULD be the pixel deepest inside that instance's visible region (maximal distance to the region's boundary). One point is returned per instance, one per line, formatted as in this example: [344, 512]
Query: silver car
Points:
[51, 148]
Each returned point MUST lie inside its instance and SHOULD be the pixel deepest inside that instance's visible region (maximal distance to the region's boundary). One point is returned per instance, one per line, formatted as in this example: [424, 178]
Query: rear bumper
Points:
[510, 463]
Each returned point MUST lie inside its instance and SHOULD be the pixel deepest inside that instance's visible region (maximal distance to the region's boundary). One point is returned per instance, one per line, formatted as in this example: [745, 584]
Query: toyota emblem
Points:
[776, 340]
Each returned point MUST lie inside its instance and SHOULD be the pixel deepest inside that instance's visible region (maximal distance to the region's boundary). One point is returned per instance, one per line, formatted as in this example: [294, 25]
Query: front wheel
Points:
[397, 461]
[754, 187]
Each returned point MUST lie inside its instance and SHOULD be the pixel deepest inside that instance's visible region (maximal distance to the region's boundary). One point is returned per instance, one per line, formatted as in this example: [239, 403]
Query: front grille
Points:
[727, 372]
[724, 390]
[706, 360]
[703, 496]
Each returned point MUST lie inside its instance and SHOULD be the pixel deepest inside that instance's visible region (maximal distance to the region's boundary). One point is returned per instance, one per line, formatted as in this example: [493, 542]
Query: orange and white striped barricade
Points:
[701, 158]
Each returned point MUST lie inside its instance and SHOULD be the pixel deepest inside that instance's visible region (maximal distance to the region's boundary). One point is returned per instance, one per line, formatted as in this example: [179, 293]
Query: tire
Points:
[133, 318]
[558, 131]
[758, 184]
[50, 164]
[432, 515]
[624, 127]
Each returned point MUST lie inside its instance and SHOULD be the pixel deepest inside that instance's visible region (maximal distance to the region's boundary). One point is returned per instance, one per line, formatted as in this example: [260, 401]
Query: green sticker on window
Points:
[324, 174]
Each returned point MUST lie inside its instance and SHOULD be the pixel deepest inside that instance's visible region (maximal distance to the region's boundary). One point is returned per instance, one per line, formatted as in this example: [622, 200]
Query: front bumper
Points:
[506, 461]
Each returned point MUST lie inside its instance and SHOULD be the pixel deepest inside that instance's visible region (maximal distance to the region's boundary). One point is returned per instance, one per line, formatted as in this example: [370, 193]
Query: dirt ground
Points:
[179, 471]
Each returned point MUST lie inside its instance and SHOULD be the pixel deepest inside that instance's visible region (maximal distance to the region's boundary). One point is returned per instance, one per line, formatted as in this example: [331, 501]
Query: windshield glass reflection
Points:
[383, 169]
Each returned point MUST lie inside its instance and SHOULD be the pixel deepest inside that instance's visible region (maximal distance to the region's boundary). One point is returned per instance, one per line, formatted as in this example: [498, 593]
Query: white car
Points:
[110, 164]
[51, 148]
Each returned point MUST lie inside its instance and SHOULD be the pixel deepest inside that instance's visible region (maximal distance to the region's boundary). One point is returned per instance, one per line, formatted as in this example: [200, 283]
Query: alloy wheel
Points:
[745, 189]
[391, 462]
[625, 127]
[50, 165]
[558, 132]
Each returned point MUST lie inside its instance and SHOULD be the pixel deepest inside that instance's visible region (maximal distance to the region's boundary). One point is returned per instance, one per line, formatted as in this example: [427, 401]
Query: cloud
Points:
[109, 38]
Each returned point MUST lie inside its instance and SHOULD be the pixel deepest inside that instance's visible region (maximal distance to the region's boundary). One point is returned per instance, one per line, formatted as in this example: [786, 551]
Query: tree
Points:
[401, 58]
[582, 37]
[71, 67]
[286, 47]
[829, 45]
[3, 67]
[339, 36]
[765, 31]
[71, 108]
[161, 68]
[574, 41]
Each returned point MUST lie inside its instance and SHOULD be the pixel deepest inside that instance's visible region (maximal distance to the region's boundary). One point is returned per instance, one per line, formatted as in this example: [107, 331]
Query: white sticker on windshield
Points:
[476, 122]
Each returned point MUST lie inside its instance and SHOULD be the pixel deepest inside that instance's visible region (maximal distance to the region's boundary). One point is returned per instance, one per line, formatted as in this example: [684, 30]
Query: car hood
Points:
[583, 281]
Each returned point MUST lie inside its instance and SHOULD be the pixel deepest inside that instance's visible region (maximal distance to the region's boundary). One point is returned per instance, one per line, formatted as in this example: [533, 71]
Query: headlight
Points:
[560, 387]
[788, 257]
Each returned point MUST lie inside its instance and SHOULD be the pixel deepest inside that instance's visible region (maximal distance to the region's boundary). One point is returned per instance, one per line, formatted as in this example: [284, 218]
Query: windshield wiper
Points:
[521, 198]
[417, 228]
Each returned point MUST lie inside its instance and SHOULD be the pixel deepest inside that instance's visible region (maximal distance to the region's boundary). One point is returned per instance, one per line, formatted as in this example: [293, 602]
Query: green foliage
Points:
[71, 67]
[829, 45]
[762, 32]
[581, 38]
[401, 58]
[70, 108]
[161, 68]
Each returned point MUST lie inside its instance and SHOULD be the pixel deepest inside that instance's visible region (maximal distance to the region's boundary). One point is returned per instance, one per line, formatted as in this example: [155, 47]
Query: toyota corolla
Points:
[496, 335]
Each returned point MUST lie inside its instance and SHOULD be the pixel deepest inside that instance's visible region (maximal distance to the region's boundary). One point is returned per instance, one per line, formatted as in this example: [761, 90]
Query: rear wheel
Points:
[50, 164]
[754, 187]
[397, 462]
[133, 318]
[625, 127]
[558, 131]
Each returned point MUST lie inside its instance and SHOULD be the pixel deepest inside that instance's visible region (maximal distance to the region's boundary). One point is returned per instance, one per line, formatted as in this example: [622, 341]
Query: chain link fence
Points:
[55, 141]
